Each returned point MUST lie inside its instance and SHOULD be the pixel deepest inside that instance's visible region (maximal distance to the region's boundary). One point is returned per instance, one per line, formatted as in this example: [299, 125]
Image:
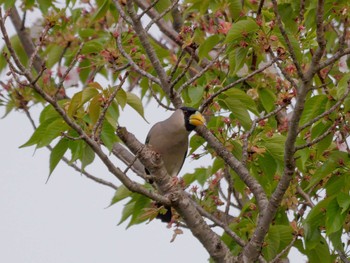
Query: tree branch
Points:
[25, 39]
[331, 109]
[252, 250]
[142, 34]
[209, 100]
[131, 185]
[236, 165]
[286, 39]
[179, 199]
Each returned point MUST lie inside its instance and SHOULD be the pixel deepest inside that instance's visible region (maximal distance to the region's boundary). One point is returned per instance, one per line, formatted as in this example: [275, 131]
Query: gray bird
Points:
[169, 138]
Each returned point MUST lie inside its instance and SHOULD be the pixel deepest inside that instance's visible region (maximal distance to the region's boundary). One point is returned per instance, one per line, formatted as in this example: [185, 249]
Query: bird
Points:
[169, 138]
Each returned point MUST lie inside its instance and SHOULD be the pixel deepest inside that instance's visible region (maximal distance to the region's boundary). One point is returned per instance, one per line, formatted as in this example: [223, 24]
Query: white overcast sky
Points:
[66, 220]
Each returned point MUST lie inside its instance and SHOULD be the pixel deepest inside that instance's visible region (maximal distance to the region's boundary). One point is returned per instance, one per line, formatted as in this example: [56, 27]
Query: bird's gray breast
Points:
[171, 144]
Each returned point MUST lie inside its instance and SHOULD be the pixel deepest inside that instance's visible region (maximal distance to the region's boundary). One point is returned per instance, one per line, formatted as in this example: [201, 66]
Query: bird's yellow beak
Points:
[197, 119]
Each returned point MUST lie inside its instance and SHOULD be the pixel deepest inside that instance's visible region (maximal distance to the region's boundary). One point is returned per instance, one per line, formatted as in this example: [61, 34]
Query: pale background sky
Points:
[66, 220]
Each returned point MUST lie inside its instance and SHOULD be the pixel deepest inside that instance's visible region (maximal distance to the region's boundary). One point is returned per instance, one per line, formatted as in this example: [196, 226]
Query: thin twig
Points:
[38, 45]
[97, 127]
[161, 15]
[284, 251]
[182, 74]
[249, 133]
[147, 9]
[229, 189]
[209, 100]
[316, 140]
[70, 67]
[204, 70]
[131, 61]
[305, 196]
[327, 112]
[153, 57]
[160, 103]
[173, 70]
[284, 72]
[286, 39]
[221, 224]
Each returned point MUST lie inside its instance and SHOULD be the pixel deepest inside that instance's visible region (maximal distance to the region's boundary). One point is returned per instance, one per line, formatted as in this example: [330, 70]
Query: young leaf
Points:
[314, 106]
[334, 218]
[121, 98]
[94, 109]
[87, 157]
[207, 46]
[108, 136]
[267, 98]
[57, 153]
[121, 193]
[239, 111]
[240, 29]
[135, 102]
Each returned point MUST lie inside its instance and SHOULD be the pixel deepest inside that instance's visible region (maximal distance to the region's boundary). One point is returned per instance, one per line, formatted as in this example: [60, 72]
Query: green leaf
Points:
[94, 109]
[278, 238]
[48, 113]
[120, 194]
[52, 131]
[334, 218]
[200, 175]
[238, 111]
[328, 167]
[76, 147]
[46, 132]
[342, 85]
[240, 29]
[343, 202]
[44, 5]
[8, 3]
[93, 46]
[267, 98]
[207, 46]
[88, 93]
[108, 136]
[195, 142]
[314, 106]
[127, 211]
[87, 157]
[140, 204]
[195, 93]
[320, 254]
[275, 146]
[121, 98]
[135, 102]
[80, 98]
[74, 104]
[57, 153]
[53, 54]
[101, 12]
[247, 101]
[240, 58]
[235, 7]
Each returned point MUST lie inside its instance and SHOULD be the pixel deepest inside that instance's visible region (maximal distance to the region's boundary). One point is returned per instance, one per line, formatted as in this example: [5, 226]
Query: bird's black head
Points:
[192, 118]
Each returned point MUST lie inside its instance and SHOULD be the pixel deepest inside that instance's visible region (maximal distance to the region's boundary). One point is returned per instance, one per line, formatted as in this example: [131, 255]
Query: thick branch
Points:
[131, 185]
[179, 199]
[252, 250]
[236, 165]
